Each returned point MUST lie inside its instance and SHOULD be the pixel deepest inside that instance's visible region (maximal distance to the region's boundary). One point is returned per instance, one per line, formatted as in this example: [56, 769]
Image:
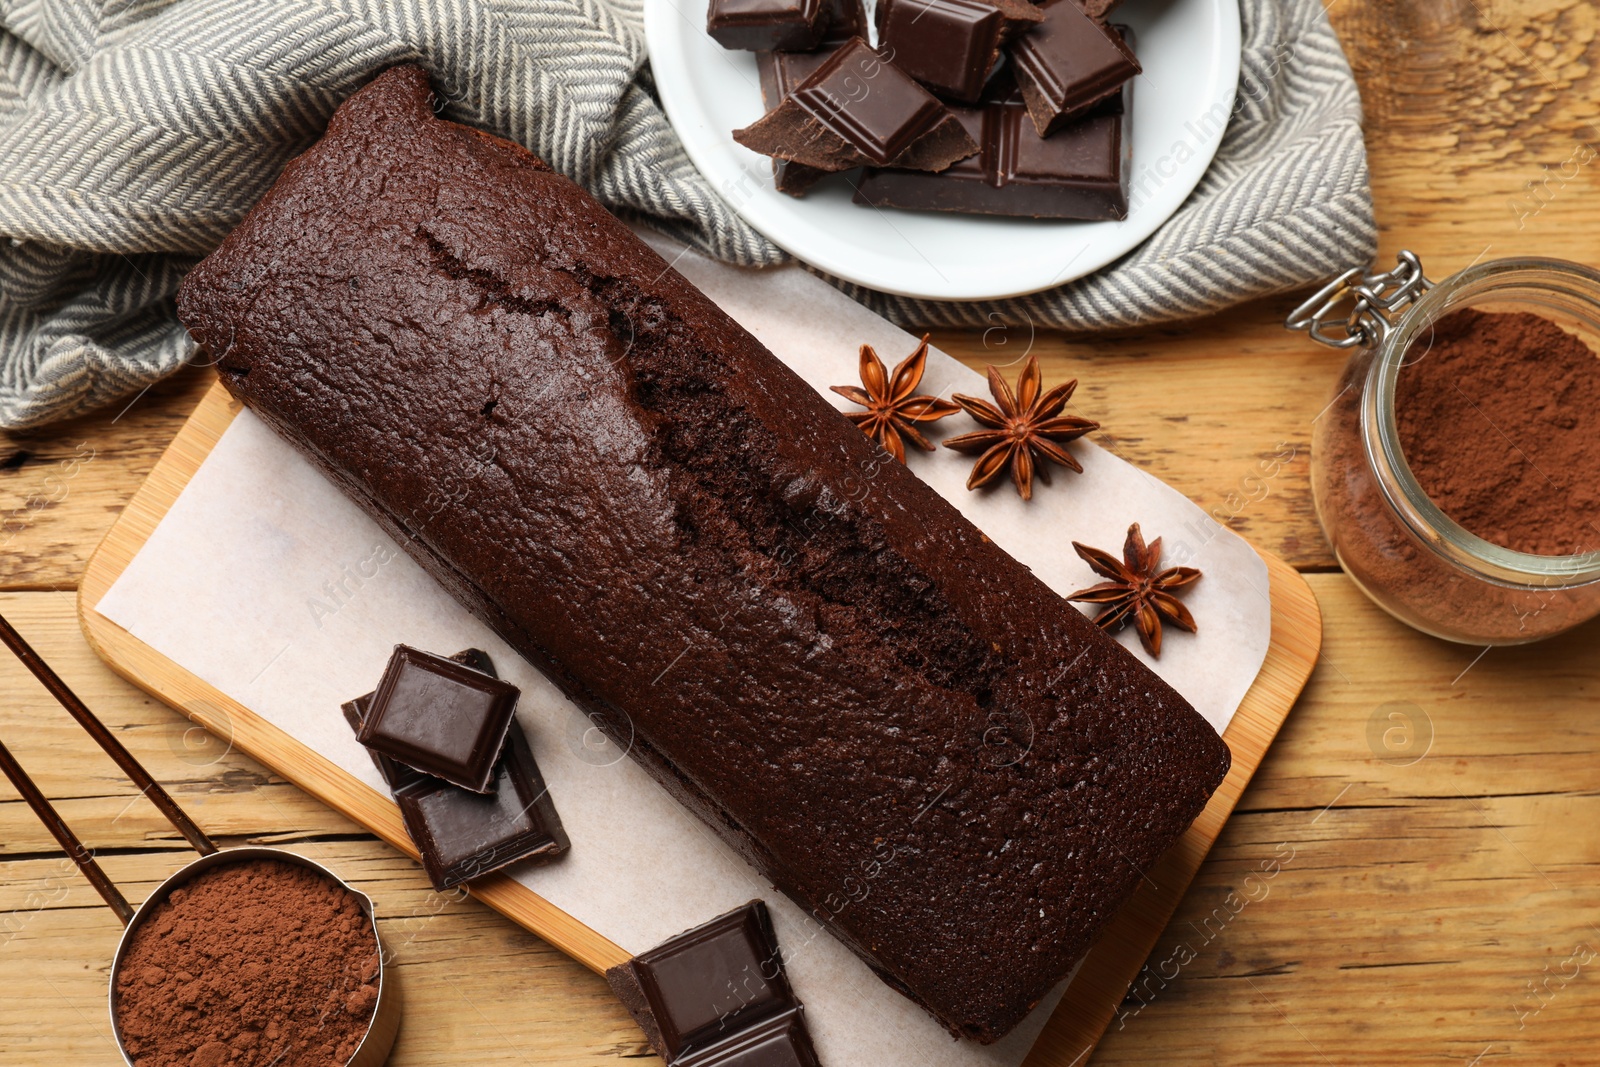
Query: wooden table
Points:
[1436, 812]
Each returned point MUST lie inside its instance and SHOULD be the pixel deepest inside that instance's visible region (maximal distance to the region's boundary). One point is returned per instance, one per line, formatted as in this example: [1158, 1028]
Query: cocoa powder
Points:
[251, 964]
[1499, 418]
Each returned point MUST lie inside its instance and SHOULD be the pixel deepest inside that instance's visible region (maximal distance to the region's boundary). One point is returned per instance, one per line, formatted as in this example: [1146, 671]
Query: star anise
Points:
[1025, 430]
[1136, 591]
[892, 410]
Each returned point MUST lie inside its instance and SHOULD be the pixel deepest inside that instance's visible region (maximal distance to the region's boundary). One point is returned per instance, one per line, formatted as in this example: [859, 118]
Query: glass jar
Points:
[1411, 558]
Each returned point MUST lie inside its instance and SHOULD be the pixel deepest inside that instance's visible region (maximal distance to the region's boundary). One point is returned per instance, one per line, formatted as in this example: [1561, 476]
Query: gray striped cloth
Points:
[135, 133]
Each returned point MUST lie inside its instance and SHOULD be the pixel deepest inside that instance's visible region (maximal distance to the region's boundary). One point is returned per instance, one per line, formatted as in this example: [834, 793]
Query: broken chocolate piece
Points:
[461, 834]
[1078, 173]
[718, 995]
[441, 717]
[782, 72]
[754, 25]
[397, 774]
[951, 45]
[1068, 64]
[846, 19]
[781, 1041]
[858, 108]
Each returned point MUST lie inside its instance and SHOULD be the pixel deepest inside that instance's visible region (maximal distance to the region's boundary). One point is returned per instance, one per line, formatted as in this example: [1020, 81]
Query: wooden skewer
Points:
[64, 835]
[106, 740]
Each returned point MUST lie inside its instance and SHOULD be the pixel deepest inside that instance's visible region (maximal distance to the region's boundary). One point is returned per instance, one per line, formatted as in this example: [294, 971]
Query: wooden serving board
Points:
[1090, 1002]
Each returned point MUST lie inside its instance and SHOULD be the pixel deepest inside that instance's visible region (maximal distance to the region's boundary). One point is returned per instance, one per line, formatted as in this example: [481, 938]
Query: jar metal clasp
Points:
[1359, 307]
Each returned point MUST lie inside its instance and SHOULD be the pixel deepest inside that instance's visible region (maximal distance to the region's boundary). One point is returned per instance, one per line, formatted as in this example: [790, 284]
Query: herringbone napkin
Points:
[135, 133]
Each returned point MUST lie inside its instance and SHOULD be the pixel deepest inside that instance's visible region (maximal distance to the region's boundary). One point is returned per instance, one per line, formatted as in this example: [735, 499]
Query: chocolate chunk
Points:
[782, 72]
[441, 717]
[1068, 64]
[1079, 173]
[951, 45]
[846, 19]
[855, 109]
[477, 659]
[462, 834]
[717, 995]
[764, 24]
[781, 1041]
[796, 179]
[396, 774]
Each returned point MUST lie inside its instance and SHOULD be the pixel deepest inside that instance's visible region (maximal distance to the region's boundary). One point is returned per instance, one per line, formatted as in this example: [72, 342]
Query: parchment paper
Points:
[266, 582]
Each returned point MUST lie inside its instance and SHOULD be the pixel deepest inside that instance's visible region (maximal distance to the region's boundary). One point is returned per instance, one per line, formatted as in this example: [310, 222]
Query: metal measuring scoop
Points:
[385, 1020]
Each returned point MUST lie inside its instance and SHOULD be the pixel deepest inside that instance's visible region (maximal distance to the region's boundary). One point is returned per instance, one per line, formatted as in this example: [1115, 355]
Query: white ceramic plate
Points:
[1190, 53]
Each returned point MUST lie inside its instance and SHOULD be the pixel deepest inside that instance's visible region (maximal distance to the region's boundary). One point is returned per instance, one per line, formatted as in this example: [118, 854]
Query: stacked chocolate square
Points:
[993, 107]
[718, 996]
[444, 735]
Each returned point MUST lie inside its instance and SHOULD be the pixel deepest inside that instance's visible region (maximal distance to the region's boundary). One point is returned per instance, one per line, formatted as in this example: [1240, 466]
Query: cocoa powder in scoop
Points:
[1499, 418]
[251, 964]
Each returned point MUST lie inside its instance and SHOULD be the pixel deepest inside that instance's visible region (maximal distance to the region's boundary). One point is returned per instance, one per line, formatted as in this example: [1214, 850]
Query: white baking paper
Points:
[266, 582]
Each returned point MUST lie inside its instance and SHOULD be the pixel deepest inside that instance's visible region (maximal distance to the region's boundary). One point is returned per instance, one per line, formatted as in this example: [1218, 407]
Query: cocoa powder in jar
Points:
[250, 964]
[1496, 354]
[1499, 418]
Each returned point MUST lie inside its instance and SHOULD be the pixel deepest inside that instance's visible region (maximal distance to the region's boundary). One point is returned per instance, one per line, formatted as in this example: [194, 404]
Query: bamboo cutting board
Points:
[1090, 1002]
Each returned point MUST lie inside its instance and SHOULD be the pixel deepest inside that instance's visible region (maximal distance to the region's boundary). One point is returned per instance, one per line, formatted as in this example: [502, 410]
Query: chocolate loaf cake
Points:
[940, 760]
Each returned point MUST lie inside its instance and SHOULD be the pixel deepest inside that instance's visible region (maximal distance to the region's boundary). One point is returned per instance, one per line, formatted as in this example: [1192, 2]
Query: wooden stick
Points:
[105, 739]
[64, 835]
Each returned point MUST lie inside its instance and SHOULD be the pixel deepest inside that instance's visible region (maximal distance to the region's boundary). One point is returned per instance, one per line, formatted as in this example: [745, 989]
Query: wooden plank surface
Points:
[1429, 916]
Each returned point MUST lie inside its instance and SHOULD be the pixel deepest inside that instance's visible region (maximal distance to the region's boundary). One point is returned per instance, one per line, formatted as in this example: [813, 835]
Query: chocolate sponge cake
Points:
[933, 754]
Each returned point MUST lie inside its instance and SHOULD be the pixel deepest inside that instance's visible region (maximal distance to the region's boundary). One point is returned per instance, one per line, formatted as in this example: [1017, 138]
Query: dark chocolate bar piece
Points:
[857, 108]
[951, 45]
[477, 659]
[1068, 64]
[782, 72]
[396, 774]
[1079, 173]
[781, 1041]
[754, 25]
[717, 995]
[462, 834]
[846, 19]
[441, 717]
